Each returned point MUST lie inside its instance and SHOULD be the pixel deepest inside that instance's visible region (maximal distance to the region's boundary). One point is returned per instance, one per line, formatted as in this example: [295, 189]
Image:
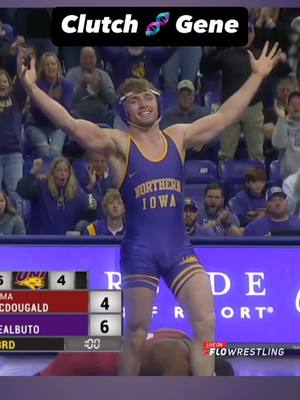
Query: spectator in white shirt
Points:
[291, 187]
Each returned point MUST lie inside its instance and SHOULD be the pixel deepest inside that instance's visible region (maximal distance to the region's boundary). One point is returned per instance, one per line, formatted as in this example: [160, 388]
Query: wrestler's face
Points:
[294, 108]
[142, 109]
[256, 188]
[115, 208]
[61, 174]
[277, 207]
[214, 201]
[4, 85]
[190, 216]
[2, 204]
[99, 164]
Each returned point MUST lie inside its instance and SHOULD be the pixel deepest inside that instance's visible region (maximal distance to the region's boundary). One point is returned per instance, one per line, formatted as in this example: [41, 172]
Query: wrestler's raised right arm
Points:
[89, 135]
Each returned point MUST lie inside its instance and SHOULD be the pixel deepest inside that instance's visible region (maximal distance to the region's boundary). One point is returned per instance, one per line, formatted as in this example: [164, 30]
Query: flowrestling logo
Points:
[222, 349]
[146, 26]
[154, 27]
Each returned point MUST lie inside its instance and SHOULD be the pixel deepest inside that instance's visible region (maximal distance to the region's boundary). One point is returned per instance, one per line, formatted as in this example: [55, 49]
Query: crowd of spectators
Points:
[48, 185]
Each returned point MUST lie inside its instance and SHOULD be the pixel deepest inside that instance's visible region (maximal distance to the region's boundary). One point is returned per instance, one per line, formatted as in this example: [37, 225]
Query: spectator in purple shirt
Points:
[136, 62]
[194, 229]
[113, 223]
[12, 101]
[250, 203]
[47, 140]
[277, 217]
[57, 201]
[216, 216]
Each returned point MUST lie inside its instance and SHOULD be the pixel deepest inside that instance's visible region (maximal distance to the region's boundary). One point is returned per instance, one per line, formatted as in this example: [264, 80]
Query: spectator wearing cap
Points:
[185, 112]
[250, 203]
[193, 229]
[216, 216]
[277, 216]
[286, 136]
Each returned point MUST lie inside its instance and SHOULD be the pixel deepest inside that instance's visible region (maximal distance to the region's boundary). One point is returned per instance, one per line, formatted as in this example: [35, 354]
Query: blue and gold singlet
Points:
[156, 244]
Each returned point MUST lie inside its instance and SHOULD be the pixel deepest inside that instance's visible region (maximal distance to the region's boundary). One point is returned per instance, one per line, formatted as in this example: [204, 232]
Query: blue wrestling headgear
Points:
[122, 106]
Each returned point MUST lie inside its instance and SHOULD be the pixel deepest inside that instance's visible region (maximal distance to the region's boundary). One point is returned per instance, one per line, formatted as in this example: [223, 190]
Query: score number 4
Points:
[104, 328]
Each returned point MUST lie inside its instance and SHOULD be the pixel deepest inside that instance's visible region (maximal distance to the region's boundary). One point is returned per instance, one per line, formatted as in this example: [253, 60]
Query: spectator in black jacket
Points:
[235, 66]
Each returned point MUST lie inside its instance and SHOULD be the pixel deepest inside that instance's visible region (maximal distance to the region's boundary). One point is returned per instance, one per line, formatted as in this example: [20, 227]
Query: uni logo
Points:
[31, 280]
[154, 27]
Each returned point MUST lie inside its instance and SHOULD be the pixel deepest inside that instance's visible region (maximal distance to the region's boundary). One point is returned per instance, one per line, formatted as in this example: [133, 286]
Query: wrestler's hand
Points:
[267, 60]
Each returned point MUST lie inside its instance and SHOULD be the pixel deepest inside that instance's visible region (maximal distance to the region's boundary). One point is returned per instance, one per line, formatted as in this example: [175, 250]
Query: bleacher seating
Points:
[195, 192]
[200, 171]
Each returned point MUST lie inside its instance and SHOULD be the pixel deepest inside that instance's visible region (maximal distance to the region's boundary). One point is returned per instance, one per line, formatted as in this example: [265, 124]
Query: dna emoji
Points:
[154, 27]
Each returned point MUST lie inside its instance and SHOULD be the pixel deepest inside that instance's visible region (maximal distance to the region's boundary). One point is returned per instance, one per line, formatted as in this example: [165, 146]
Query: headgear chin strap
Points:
[143, 128]
[124, 113]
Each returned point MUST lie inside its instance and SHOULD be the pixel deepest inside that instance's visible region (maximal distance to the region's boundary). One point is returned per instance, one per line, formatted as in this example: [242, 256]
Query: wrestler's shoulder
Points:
[175, 132]
[120, 138]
